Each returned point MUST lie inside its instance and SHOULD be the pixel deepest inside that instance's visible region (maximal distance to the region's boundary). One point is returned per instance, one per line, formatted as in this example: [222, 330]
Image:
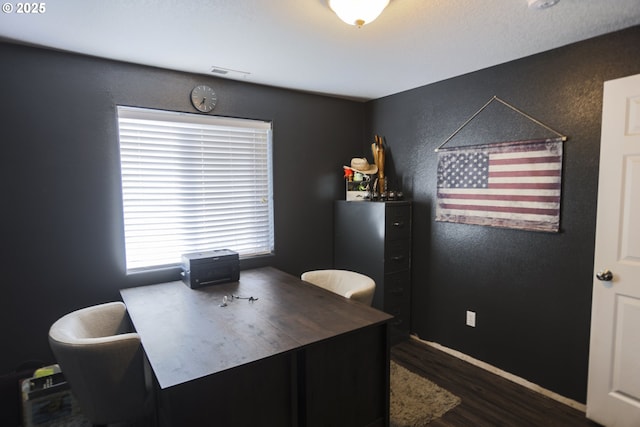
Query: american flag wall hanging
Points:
[510, 184]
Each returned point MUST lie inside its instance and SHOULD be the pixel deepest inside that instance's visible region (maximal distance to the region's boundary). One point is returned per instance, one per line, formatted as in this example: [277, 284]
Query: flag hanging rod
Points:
[495, 98]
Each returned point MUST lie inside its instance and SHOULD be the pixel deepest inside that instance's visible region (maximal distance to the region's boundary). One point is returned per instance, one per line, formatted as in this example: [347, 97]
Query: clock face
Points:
[203, 98]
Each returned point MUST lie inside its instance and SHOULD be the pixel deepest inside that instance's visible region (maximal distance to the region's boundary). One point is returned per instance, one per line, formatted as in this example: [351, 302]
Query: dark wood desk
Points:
[297, 356]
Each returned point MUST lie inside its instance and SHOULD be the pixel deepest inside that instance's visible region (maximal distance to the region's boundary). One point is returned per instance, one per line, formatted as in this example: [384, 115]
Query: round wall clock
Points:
[203, 98]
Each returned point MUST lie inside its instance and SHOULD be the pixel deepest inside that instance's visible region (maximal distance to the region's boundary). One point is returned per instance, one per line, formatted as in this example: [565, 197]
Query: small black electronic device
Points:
[210, 268]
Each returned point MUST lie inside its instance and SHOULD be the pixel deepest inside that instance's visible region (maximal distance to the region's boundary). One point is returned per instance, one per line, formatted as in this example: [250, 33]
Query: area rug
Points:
[416, 401]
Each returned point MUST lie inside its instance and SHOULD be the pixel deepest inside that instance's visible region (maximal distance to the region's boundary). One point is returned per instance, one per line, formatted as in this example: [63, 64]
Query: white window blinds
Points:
[193, 183]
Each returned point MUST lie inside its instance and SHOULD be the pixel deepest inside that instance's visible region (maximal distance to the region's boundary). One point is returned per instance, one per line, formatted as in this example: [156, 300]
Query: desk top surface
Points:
[187, 335]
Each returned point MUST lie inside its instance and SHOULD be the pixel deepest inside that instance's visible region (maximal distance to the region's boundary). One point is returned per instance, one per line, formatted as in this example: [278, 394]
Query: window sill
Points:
[172, 273]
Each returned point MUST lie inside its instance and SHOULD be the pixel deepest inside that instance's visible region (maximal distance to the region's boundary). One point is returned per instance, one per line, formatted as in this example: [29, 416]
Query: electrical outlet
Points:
[471, 318]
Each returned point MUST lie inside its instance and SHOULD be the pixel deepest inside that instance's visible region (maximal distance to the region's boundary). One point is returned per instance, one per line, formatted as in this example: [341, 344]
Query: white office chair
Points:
[102, 362]
[349, 284]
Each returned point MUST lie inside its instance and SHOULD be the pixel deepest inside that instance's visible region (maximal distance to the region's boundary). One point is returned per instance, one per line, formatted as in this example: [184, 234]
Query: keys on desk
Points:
[230, 298]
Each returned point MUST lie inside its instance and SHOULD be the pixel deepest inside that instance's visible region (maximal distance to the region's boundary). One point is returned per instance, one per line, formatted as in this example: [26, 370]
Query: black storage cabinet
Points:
[374, 238]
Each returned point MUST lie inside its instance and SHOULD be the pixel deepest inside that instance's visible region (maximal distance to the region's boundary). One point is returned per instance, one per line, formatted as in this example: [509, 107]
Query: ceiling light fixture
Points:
[358, 12]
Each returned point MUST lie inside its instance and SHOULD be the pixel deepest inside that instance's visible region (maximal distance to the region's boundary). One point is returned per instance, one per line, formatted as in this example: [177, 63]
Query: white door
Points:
[613, 395]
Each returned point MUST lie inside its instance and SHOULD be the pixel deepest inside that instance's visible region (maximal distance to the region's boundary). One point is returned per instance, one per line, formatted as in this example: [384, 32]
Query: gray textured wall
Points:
[62, 233]
[531, 291]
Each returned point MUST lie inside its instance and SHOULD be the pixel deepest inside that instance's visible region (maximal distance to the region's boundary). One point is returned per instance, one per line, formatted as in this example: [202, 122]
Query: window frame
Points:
[124, 113]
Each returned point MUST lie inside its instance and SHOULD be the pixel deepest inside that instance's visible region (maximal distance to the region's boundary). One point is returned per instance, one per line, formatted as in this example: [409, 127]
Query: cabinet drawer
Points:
[397, 256]
[398, 222]
[401, 318]
[400, 323]
[397, 289]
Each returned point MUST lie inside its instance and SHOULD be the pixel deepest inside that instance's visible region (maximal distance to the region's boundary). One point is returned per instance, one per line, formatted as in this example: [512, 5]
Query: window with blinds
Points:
[193, 183]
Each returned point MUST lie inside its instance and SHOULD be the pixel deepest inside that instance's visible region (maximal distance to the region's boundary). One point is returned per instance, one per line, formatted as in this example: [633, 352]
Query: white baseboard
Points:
[513, 378]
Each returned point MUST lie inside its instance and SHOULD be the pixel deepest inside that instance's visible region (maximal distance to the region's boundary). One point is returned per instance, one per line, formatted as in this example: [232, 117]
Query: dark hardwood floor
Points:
[487, 399]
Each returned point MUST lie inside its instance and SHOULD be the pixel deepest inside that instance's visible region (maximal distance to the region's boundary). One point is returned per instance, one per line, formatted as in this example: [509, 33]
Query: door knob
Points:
[604, 275]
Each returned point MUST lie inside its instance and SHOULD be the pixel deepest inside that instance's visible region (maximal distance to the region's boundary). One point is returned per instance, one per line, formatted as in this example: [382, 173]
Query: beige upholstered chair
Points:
[349, 284]
[102, 362]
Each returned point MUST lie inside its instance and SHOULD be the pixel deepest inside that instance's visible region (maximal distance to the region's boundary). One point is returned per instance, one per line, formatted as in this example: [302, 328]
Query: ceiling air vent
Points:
[541, 4]
[227, 72]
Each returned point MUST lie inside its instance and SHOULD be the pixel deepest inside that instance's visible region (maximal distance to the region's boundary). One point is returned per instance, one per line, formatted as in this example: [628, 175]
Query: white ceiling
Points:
[301, 44]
